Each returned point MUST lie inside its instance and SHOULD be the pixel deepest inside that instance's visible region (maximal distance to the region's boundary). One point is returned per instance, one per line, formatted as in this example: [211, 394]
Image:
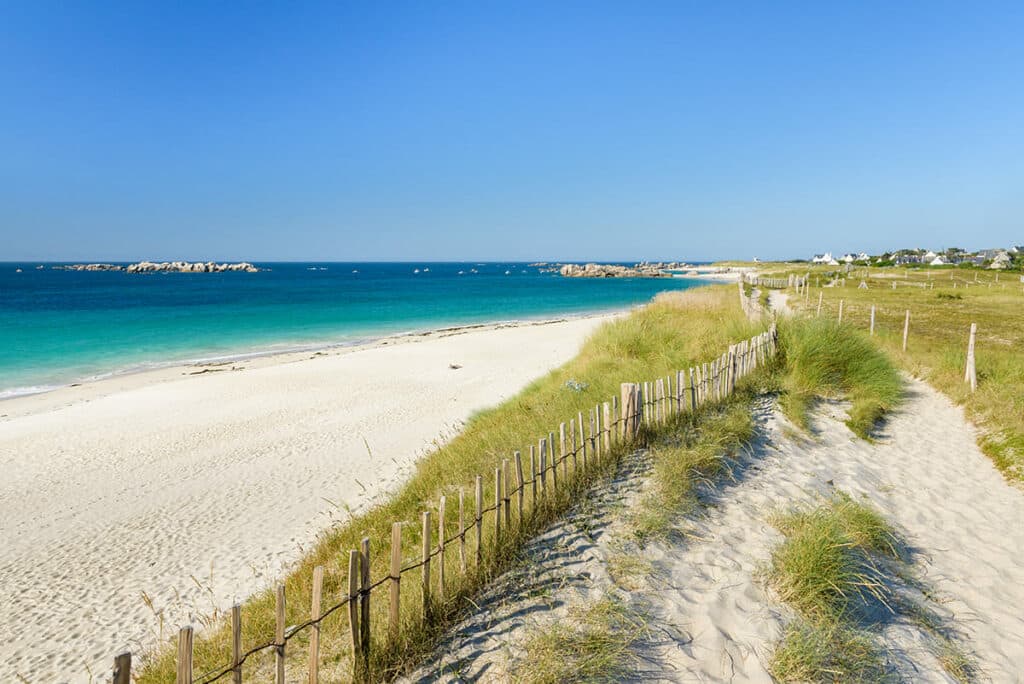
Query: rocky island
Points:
[165, 267]
[641, 270]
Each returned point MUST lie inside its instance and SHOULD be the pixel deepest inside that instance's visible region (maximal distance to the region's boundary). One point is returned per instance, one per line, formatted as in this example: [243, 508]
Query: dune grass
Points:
[826, 570]
[824, 359]
[940, 319]
[675, 331]
[844, 571]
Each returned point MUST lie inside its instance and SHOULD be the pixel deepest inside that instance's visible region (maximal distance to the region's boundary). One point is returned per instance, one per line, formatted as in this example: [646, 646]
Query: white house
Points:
[825, 258]
[939, 260]
[929, 255]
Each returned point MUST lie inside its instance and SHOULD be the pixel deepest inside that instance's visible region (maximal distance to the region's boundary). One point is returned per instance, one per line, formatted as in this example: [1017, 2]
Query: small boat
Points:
[508, 272]
[426, 270]
[416, 270]
[17, 270]
[355, 270]
[39, 267]
[462, 272]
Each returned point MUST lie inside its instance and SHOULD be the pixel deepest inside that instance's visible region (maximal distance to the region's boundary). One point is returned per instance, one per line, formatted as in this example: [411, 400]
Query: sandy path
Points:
[926, 475]
[135, 484]
[714, 621]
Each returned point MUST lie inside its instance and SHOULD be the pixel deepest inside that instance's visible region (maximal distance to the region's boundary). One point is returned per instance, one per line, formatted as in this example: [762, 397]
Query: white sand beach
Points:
[198, 485]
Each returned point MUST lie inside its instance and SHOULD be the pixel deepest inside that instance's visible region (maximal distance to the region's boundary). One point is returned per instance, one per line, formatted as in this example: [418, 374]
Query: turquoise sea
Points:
[59, 327]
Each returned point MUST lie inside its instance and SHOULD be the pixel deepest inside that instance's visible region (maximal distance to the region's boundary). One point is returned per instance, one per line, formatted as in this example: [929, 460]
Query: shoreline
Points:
[196, 486]
[266, 355]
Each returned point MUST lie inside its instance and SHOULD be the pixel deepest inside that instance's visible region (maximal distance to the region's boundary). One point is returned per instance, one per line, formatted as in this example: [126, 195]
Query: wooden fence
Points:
[622, 422]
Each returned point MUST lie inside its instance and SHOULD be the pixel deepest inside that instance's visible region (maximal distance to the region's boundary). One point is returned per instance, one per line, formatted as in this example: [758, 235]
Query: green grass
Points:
[593, 644]
[824, 359]
[676, 331]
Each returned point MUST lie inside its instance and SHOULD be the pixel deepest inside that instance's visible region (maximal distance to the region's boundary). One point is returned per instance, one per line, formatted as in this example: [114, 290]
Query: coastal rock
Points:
[641, 270]
[89, 267]
[189, 267]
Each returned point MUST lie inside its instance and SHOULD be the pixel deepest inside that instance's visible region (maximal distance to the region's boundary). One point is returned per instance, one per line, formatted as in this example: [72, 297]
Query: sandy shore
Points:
[223, 473]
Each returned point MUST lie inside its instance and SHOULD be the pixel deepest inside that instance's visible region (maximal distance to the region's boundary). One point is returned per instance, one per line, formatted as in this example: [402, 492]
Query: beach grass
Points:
[593, 644]
[677, 330]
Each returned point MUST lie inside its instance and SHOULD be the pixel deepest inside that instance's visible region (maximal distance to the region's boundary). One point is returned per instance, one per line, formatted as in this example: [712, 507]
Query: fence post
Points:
[840, 311]
[970, 372]
[462, 530]
[607, 449]
[353, 610]
[440, 548]
[542, 459]
[583, 438]
[314, 634]
[563, 453]
[533, 477]
[506, 500]
[364, 601]
[479, 521]
[497, 506]
[519, 484]
[236, 644]
[123, 669]
[185, 655]
[627, 391]
[554, 461]
[279, 633]
[906, 329]
[872, 332]
[396, 581]
[425, 559]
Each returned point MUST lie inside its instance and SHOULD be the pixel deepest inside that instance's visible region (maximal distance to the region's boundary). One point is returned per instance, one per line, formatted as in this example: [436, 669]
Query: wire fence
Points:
[577, 449]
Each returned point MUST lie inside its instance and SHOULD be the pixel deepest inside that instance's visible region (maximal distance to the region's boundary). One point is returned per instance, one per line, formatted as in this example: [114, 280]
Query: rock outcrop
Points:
[189, 267]
[641, 270]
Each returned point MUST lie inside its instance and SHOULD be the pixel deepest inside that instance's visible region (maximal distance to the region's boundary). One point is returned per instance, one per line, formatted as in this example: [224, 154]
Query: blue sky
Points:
[480, 130]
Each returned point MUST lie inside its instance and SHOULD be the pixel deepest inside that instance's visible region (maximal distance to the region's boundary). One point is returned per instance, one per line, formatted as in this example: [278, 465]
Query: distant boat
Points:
[416, 270]
[472, 270]
[39, 267]
[462, 272]
[311, 268]
[17, 270]
[323, 268]
[426, 270]
[508, 272]
[355, 270]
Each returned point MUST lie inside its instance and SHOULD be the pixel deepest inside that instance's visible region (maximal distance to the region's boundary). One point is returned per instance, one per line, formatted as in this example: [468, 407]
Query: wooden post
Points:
[479, 521]
[506, 499]
[573, 445]
[542, 456]
[314, 632]
[592, 438]
[840, 311]
[364, 600]
[554, 461]
[872, 331]
[533, 477]
[279, 633]
[628, 392]
[607, 448]
[520, 486]
[440, 548]
[497, 507]
[563, 452]
[583, 438]
[425, 560]
[236, 644]
[185, 656]
[123, 669]
[693, 392]
[906, 329]
[971, 374]
[353, 611]
[394, 614]
[462, 530]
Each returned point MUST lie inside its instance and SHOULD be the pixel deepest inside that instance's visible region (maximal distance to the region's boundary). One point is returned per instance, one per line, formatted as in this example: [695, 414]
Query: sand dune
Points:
[141, 483]
[713, 620]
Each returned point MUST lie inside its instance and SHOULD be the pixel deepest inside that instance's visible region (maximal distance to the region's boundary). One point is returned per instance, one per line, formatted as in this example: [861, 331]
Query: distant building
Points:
[822, 258]
[939, 260]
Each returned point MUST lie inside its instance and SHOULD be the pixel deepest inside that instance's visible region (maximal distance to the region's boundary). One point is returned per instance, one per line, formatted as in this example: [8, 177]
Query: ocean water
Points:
[59, 327]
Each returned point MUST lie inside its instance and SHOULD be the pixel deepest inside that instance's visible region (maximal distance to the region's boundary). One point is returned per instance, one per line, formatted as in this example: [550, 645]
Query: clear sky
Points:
[486, 131]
